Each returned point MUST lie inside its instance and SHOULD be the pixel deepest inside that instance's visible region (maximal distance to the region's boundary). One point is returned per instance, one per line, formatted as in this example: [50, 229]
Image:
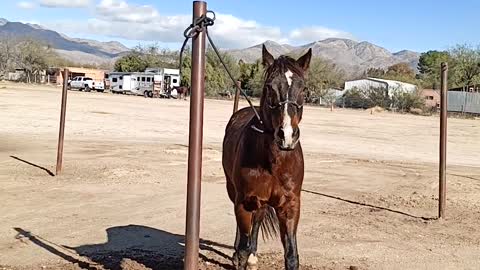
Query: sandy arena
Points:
[369, 200]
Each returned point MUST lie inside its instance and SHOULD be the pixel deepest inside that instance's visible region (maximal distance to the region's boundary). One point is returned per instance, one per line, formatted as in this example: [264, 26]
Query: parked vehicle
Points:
[154, 82]
[86, 84]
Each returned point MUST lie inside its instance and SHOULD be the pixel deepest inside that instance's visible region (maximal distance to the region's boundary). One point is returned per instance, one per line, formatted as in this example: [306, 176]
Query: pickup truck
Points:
[85, 83]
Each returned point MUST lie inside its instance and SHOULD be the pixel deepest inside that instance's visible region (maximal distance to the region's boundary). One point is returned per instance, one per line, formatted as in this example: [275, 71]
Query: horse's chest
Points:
[269, 184]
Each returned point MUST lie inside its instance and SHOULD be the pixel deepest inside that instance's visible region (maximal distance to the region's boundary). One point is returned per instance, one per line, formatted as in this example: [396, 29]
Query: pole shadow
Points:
[370, 205]
[34, 165]
[153, 248]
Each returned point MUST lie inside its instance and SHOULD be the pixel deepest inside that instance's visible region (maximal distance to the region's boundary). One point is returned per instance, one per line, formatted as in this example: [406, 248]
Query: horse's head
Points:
[283, 96]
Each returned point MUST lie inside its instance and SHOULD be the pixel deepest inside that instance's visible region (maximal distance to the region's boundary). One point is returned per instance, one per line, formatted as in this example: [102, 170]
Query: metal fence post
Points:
[192, 227]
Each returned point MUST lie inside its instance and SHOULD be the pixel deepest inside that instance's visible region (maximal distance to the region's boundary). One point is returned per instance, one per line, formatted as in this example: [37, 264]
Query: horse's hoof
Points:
[235, 260]
[252, 262]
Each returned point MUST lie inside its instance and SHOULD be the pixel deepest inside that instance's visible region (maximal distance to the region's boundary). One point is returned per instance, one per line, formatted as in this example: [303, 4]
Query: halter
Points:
[298, 106]
[273, 107]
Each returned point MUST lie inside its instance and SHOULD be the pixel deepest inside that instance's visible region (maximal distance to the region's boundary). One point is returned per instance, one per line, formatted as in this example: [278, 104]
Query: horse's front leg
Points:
[246, 240]
[258, 217]
[242, 241]
[288, 216]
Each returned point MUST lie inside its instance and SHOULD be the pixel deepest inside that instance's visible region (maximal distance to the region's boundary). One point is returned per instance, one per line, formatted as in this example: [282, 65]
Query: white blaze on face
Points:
[287, 121]
[289, 75]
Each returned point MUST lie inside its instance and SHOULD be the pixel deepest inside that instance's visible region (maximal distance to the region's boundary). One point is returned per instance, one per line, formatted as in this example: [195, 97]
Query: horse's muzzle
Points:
[287, 141]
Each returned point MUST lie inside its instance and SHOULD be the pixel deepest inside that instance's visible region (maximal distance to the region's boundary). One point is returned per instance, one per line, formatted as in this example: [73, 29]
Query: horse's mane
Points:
[281, 65]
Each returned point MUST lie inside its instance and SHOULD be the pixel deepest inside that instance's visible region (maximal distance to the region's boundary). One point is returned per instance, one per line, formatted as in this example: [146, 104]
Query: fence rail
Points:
[464, 102]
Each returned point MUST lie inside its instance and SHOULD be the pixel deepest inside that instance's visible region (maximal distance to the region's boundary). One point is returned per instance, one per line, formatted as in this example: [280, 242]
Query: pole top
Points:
[444, 65]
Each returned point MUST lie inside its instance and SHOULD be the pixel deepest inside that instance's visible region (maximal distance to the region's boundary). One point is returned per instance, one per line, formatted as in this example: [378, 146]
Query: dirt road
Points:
[370, 188]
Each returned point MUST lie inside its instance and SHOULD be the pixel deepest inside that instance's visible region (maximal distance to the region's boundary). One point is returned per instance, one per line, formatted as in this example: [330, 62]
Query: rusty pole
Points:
[61, 133]
[237, 97]
[443, 141]
[192, 228]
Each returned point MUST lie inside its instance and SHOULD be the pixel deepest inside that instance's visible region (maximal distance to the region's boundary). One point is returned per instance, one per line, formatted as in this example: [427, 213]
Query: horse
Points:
[182, 91]
[263, 163]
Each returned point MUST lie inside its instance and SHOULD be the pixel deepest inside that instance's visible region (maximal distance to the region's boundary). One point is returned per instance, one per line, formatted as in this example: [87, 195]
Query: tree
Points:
[8, 52]
[405, 101]
[251, 77]
[401, 72]
[34, 57]
[355, 98]
[142, 57]
[258, 79]
[375, 72]
[133, 62]
[186, 68]
[466, 64]
[321, 77]
[217, 79]
[429, 66]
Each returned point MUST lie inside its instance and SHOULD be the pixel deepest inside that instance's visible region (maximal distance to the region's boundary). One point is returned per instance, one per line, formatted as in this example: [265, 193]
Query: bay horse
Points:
[182, 91]
[264, 169]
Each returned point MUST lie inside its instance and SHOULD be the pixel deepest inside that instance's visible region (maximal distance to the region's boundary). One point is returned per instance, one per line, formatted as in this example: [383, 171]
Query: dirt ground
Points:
[369, 201]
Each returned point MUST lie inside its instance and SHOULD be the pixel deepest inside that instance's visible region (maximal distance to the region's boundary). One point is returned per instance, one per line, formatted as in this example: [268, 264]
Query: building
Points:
[431, 97]
[56, 76]
[374, 83]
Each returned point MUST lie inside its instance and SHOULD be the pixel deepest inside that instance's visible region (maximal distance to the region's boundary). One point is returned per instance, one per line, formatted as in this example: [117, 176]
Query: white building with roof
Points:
[388, 85]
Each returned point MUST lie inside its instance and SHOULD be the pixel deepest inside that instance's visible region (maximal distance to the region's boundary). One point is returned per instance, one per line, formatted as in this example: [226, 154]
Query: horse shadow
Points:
[150, 247]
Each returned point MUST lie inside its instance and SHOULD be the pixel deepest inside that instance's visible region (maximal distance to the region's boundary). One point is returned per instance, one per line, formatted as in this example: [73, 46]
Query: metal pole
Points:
[192, 228]
[237, 97]
[61, 132]
[443, 141]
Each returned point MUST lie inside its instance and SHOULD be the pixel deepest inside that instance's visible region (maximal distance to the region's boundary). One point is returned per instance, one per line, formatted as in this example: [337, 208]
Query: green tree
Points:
[355, 98]
[466, 64]
[258, 79]
[401, 72]
[251, 77]
[321, 77]
[429, 66]
[405, 101]
[133, 62]
[144, 56]
[217, 79]
[186, 68]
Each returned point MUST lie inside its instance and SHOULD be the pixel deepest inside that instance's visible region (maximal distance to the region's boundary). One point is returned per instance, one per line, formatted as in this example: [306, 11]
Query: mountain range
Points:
[78, 50]
[351, 56]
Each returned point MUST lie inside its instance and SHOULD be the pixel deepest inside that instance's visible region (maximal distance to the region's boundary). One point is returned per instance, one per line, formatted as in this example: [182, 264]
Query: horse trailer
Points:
[153, 80]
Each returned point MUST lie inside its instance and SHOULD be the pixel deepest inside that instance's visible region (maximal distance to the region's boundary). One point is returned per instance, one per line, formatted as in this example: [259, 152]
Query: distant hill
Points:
[78, 50]
[352, 56]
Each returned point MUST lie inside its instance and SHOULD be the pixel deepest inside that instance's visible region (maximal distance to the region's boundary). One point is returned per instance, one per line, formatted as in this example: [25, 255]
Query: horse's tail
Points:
[270, 224]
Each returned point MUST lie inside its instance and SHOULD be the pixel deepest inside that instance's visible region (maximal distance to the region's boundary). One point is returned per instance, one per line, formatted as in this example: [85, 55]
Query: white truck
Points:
[86, 84]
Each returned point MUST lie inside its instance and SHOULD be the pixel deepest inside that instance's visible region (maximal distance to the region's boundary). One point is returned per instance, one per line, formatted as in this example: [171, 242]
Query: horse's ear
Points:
[304, 61]
[267, 58]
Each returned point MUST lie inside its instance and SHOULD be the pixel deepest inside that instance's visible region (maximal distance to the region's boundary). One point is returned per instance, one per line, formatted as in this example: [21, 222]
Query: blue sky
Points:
[395, 25]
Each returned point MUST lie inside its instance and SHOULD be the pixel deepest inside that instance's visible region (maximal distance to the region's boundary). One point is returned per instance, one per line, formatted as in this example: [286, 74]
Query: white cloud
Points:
[121, 11]
[65, 3]
[232, 32]
[120, 19]
[315, 33]
[26, 5]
